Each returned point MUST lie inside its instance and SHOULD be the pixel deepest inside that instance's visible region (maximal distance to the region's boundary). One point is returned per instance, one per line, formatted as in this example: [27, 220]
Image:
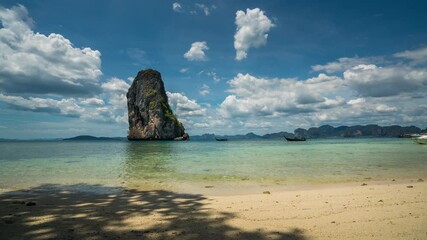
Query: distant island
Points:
[325, 131]
[92, 138]
[372, 130]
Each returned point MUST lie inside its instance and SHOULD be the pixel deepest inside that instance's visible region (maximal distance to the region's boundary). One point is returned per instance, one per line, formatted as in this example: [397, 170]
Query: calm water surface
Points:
[167, 164]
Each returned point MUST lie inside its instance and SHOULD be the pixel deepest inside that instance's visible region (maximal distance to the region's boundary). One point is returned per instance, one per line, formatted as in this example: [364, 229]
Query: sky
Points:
[229, 67]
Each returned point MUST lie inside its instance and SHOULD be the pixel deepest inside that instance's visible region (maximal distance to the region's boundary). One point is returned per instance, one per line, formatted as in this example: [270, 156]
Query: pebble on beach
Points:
[30, 204]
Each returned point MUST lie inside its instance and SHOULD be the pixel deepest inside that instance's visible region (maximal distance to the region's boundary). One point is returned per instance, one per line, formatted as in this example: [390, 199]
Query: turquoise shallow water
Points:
[169, 163]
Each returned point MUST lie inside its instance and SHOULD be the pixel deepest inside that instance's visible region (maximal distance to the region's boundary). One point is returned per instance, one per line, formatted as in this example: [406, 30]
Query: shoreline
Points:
[250, 188]
[384, 210]
[212, 188]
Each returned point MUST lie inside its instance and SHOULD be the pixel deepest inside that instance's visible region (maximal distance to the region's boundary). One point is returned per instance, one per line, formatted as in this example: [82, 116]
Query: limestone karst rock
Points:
[150, 116]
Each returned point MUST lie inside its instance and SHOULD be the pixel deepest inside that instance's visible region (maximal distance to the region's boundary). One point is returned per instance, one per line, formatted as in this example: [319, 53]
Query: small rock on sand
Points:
[266, 192]
[30, 204]
[9, 220]
[420, 180]
[209, 186]
[410, 186]
[364, 184]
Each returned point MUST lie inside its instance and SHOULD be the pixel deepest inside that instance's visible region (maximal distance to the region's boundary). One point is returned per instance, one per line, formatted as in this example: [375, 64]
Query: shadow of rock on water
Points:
[99, 212]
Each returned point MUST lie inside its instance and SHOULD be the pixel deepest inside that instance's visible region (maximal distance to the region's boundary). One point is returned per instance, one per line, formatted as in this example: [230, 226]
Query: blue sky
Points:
[229, 66]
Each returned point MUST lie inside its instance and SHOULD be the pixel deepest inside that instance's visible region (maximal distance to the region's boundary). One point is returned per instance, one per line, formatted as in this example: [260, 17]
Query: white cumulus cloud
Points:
[252, 96]
[183, 70]
[116, 90]
[195, 10]
[65, 107]
[343, 64]
[92, 102]
[206, 9]
[177, 7]
[183, 106]
[251, 31]
[197, 51]
[35, 63]
[113, 110]
[116, 85]
[371, 80]
[418, 55]
[204, 90]
[366, 90]
[214, 76]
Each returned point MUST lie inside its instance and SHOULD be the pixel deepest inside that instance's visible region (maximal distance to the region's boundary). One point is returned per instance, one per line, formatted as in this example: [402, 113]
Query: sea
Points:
[182, 165]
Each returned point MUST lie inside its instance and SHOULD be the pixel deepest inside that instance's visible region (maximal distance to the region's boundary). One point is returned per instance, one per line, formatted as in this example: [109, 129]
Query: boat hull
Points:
[221, 139]
[295, 139]
[420, 140]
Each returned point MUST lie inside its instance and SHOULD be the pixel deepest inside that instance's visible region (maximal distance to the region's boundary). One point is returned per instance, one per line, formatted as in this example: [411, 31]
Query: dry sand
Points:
[393, 210]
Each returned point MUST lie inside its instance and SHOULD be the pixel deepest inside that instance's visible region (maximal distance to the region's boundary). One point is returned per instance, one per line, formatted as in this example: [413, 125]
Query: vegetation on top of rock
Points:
[149, 73]
[169, 114]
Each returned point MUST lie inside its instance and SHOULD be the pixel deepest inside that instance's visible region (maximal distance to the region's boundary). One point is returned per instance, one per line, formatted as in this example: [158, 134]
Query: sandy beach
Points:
[394, 210]
[213, 120]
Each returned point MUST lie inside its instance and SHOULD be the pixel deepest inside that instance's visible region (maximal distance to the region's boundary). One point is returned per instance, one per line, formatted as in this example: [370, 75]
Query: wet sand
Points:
[393, 210]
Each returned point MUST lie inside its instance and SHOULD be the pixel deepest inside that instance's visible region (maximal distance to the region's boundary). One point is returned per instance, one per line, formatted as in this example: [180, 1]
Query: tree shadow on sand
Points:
[76, 212]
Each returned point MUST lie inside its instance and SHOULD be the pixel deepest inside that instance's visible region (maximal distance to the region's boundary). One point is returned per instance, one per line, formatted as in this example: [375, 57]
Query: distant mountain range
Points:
[372, 130]
[212, 137]
[325, 131]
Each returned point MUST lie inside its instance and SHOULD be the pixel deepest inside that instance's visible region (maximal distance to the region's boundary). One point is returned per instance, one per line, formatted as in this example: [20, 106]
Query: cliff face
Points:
[150, 116]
